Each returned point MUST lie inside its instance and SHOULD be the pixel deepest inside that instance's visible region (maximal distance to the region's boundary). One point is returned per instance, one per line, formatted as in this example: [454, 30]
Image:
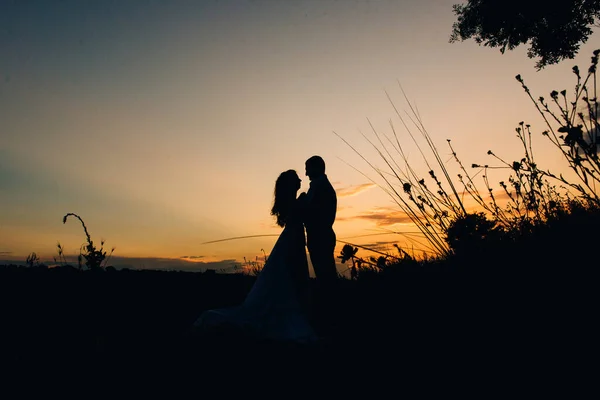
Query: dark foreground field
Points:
[512, 327]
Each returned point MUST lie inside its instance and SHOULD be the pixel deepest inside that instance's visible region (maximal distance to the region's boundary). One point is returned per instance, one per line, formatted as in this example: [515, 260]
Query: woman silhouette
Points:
[275, 308]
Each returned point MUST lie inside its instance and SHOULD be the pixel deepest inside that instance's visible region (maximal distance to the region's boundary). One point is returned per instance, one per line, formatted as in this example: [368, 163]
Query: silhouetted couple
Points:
[280, 302]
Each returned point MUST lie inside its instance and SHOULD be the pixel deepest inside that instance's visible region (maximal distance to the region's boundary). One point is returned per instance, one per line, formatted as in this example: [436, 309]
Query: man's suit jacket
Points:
[321, 207]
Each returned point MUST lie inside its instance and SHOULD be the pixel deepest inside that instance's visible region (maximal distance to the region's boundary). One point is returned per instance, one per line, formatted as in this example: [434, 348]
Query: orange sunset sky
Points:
[165, 124]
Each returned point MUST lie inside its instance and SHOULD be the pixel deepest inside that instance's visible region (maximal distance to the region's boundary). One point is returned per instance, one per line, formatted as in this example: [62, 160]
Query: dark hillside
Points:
[138, 320]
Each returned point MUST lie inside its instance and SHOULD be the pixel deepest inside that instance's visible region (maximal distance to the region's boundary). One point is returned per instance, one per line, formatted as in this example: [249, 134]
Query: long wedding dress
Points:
[275, 308]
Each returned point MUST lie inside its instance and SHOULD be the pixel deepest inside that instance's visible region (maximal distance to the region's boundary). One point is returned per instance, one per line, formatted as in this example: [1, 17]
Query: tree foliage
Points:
[554, 30]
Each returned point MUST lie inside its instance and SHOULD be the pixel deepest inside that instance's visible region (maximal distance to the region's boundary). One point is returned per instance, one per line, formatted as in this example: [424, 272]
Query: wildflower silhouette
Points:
[93, 256]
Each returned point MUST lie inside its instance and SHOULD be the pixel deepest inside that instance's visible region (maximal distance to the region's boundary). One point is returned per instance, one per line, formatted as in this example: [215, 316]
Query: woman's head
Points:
[286, 187]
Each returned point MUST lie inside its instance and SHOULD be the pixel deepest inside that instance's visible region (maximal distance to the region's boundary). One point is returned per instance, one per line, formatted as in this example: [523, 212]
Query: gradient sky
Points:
[164, 124]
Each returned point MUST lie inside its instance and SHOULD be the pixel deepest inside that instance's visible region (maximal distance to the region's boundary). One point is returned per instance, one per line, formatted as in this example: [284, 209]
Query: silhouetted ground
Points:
[468, 325]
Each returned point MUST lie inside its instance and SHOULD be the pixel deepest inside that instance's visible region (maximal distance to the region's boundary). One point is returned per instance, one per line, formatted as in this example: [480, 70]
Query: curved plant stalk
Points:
[94, 257]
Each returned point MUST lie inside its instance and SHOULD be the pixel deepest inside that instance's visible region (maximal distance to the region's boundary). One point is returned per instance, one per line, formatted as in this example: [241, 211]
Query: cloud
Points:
[381, 217]
[191, 257]
[381, 246]
[162, 264]
[354, 190]
[174, 264]
[342, 208]
[5, 253]
[499, 195]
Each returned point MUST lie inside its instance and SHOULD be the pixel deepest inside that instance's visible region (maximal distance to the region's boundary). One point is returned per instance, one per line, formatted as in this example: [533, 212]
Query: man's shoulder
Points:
[321, 184]
[323, 179]
[327, 182]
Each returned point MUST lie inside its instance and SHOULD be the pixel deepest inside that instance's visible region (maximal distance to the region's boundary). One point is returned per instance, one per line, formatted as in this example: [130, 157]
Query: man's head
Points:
[315, 167]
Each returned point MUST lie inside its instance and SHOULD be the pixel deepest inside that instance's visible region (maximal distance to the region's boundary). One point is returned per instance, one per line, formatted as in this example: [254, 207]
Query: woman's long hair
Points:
[284, 196]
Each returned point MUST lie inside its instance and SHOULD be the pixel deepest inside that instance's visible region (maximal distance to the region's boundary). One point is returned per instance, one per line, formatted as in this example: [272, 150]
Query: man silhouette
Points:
[321, 207]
